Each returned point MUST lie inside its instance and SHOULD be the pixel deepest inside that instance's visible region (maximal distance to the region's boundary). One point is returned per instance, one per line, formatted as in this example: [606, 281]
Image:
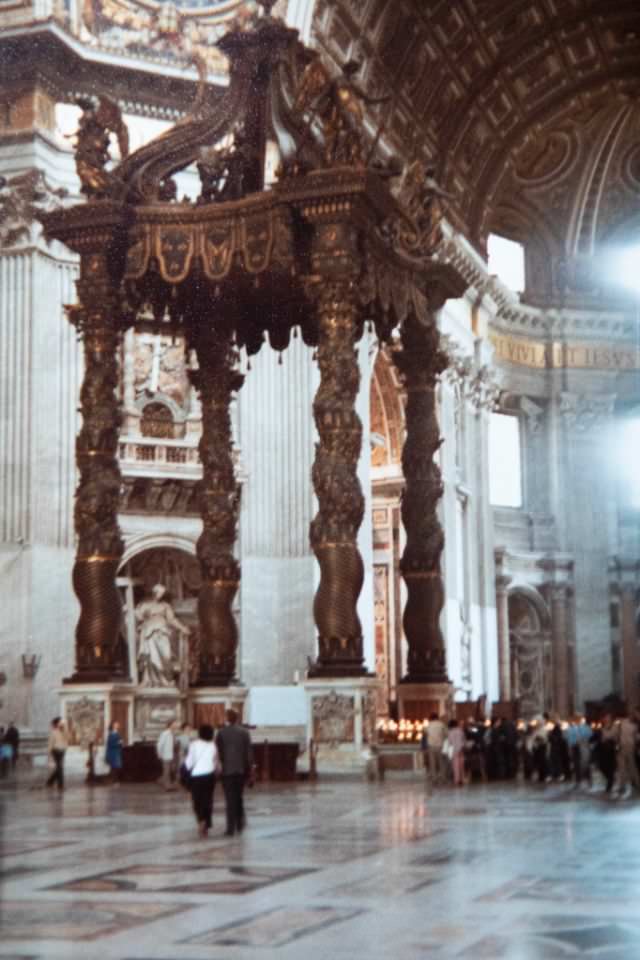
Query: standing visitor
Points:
[456, 740]
[113, 752]
[234, 747]
[166, 750]
[558, 753]
[627, 769]
[58, 744]
[539, 750]
[12, 737]
[6, 754]
[607, 750]
[202, 763]
[183, 741]
[433, 739]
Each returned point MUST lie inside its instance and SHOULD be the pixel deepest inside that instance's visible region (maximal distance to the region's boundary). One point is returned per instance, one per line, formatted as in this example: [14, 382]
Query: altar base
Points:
[417, 701]
[341, 722]
[209, 704]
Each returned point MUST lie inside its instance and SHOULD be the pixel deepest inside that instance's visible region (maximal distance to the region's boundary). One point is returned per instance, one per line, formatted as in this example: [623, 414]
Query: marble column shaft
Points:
[560, 648]
[217, 379]
[334, 529]
[630, 660]
[100, 546]
[419, 361]
[504, 645]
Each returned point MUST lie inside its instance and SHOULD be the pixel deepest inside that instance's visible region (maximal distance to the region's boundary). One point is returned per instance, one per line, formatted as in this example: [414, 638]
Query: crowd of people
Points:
[600, 756]
[194, 759]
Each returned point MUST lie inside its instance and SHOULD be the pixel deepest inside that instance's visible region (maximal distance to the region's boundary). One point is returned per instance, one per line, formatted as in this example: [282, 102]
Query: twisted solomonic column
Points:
[100, 547]
[217, 379]
[419, 361]
[334, 529]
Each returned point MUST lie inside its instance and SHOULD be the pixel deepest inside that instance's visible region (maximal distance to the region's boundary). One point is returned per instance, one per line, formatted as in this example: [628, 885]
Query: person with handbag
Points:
[202, 764]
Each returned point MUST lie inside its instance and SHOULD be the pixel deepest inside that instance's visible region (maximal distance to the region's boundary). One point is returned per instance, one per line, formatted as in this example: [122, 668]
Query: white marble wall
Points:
[588, 490]
[279, 576]
[40, 371]
[467, 563]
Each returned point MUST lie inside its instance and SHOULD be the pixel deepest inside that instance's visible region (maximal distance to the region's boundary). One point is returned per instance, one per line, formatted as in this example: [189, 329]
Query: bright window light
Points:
[623, 267]
[629, 460]
[506, 261]
[505, 472]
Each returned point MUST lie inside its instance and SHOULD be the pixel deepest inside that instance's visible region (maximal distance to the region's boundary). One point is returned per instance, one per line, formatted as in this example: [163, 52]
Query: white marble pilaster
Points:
[276, 434]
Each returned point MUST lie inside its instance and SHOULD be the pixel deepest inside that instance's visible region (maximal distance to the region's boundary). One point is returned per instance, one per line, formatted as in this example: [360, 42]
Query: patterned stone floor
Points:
[333, 870]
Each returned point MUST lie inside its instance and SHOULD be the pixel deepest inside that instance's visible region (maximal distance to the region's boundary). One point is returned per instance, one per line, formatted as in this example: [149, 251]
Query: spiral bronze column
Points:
[419, 361]
[334, 529]
[217, 380]
[99, 549]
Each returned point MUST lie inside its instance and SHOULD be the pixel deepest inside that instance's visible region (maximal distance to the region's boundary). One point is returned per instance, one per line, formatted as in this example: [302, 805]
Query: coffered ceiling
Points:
[529, 109]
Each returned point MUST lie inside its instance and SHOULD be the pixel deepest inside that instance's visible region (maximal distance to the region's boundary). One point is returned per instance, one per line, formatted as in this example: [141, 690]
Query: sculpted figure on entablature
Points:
[337, 102]
[97, 123]
[158, 635]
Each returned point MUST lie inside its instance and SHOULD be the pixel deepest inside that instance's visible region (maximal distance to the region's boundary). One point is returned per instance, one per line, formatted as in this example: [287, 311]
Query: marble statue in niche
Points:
[161, 639]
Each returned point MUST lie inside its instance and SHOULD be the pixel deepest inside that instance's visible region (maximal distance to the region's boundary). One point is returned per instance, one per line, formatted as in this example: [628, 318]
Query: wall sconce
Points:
[30, 664]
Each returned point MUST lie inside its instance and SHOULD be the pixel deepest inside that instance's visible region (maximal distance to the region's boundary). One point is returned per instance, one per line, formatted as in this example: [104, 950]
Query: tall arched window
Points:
[506, 261]
[505, 466]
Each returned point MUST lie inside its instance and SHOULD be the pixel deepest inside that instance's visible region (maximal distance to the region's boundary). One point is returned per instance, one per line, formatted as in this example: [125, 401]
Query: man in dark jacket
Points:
[234, 747]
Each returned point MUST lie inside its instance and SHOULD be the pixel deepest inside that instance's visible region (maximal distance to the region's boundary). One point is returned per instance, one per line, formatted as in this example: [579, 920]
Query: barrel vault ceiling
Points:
[528, 109]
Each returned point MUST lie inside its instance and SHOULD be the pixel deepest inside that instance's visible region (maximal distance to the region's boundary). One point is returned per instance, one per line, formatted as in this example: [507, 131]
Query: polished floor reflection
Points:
[336, 869]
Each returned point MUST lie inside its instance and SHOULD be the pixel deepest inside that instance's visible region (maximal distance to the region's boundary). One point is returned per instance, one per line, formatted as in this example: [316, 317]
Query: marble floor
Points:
[329, 870]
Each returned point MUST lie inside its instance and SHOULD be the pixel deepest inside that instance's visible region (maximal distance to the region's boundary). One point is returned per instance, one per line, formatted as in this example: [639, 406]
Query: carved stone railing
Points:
[150, 457]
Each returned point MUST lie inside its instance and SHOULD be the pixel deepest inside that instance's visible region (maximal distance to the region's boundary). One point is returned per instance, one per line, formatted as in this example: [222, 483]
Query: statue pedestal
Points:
[341, 722]
[417, 701]
[154, 708]
[208, 704]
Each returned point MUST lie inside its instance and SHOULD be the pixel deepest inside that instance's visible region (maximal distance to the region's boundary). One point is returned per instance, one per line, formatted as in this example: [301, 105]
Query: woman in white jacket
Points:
[202, 763]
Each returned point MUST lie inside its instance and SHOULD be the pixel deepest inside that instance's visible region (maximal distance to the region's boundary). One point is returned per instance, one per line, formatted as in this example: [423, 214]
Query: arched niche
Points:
[172, 563]
[529, 641]
[387, 413]
[161, 418]
[387, 426]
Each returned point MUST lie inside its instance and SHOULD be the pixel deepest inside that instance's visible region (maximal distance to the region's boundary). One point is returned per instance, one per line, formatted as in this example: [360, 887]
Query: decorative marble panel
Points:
[85, 722]
[334, 719]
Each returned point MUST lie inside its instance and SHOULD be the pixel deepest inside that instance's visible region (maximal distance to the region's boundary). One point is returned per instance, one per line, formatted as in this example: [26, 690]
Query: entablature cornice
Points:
[45, 54]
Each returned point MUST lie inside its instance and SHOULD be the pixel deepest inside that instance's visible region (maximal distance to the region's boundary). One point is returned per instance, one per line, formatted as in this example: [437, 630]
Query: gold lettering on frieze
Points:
[559, 356]
[600, 356]
[522, 353]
